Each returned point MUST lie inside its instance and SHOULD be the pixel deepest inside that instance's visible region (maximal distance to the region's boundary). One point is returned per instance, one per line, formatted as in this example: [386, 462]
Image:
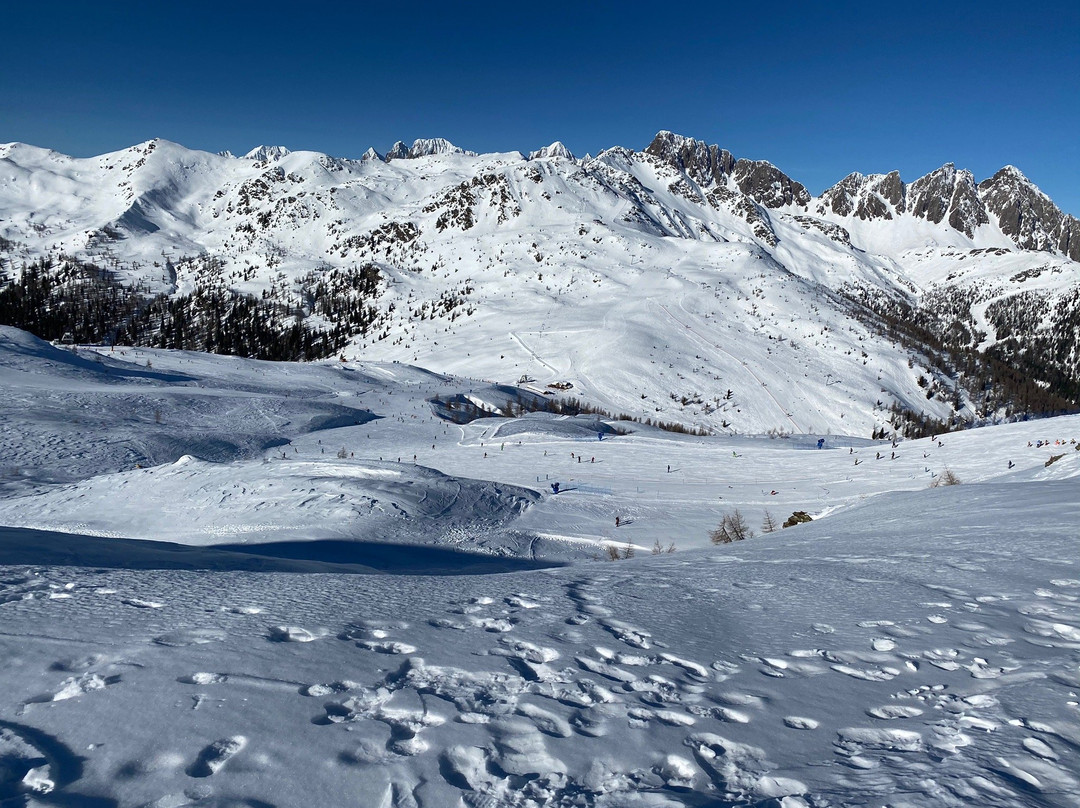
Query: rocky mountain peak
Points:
[876, 196]
[424, 147]
[1027, 215]
[704, 164]
[399, 151]
[949, 195]
[267, 154]
[556, 149]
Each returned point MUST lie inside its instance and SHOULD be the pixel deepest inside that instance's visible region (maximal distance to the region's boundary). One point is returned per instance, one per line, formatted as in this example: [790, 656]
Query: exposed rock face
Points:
[423, 147]
[891, 189]
[877, 196]
[745, 208]
[830, 229]
[399, 151]
[706, 165]
[556, 149]
[1023, 212]
[267, 154]
[435, 145]
[948, 194]
[711, 166]
[768, 185]
[1028, 216]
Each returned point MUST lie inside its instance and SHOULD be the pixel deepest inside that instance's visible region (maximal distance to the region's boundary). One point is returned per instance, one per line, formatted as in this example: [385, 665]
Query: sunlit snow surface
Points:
[910, 647]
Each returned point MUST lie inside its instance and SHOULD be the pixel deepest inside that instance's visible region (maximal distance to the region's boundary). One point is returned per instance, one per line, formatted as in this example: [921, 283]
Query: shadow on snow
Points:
[25, 546]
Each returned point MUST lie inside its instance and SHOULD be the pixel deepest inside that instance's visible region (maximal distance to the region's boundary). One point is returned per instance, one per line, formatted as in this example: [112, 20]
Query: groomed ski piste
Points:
[236, 583]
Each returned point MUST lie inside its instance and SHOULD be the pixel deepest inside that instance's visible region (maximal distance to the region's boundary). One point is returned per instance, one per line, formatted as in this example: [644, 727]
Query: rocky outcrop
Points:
[877, 196]
[768, 185]
[556, 149]
[711, 166]
[706, 165]
[1028, 216]
[399, 151]
[948, 195]
[267, 154]
[424, 147]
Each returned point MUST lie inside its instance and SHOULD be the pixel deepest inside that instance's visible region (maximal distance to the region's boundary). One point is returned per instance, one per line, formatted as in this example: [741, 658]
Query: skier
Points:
[554, 488]
[821, 443]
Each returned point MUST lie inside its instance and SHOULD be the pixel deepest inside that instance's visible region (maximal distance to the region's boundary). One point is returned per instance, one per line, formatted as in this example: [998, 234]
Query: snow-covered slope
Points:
[910, 646]
[655, 282]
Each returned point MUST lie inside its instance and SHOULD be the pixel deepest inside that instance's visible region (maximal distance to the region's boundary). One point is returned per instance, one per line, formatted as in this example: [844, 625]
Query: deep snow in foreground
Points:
[909, 647]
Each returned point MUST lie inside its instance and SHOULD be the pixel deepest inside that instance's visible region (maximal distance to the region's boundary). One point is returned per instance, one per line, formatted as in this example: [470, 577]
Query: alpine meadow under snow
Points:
[464, 547]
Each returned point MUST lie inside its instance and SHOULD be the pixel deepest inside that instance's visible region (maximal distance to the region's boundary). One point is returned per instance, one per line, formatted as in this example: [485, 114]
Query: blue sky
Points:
[818, 89]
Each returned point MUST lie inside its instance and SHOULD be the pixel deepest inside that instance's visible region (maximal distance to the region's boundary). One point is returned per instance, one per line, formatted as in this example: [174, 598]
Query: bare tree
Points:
[947, 477]
[732, 527]
[768, 524]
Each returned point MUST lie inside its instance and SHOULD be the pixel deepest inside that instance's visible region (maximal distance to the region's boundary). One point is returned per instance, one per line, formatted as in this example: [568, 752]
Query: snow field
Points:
[910, 646]
[876, 665]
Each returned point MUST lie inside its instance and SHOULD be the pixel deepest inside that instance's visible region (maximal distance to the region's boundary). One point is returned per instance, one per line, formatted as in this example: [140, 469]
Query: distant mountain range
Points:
[676, 283]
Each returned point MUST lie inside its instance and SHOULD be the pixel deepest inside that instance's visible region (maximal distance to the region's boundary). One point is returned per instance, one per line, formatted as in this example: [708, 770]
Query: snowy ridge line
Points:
[453, 261]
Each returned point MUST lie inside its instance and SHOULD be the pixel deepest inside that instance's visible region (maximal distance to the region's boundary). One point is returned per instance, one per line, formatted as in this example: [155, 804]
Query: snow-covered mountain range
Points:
[676, 283]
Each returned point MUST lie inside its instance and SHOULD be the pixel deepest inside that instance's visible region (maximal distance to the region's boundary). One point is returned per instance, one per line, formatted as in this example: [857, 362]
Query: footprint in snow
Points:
[332, 689]
[75, 686]
[76, 664]
[387, 646]
[634, 637]
[371, 629]
[493, 624]
[139, 603]
[33, 764]
[190, 636]
[890, 712]
[213, 757]
[203, 678]
[291, 634]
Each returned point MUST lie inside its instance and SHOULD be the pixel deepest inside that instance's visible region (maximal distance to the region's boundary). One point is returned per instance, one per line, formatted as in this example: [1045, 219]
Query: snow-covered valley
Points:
[239, 583]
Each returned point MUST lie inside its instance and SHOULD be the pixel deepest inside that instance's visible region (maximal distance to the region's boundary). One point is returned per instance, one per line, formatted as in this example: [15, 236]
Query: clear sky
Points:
[818, 89]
